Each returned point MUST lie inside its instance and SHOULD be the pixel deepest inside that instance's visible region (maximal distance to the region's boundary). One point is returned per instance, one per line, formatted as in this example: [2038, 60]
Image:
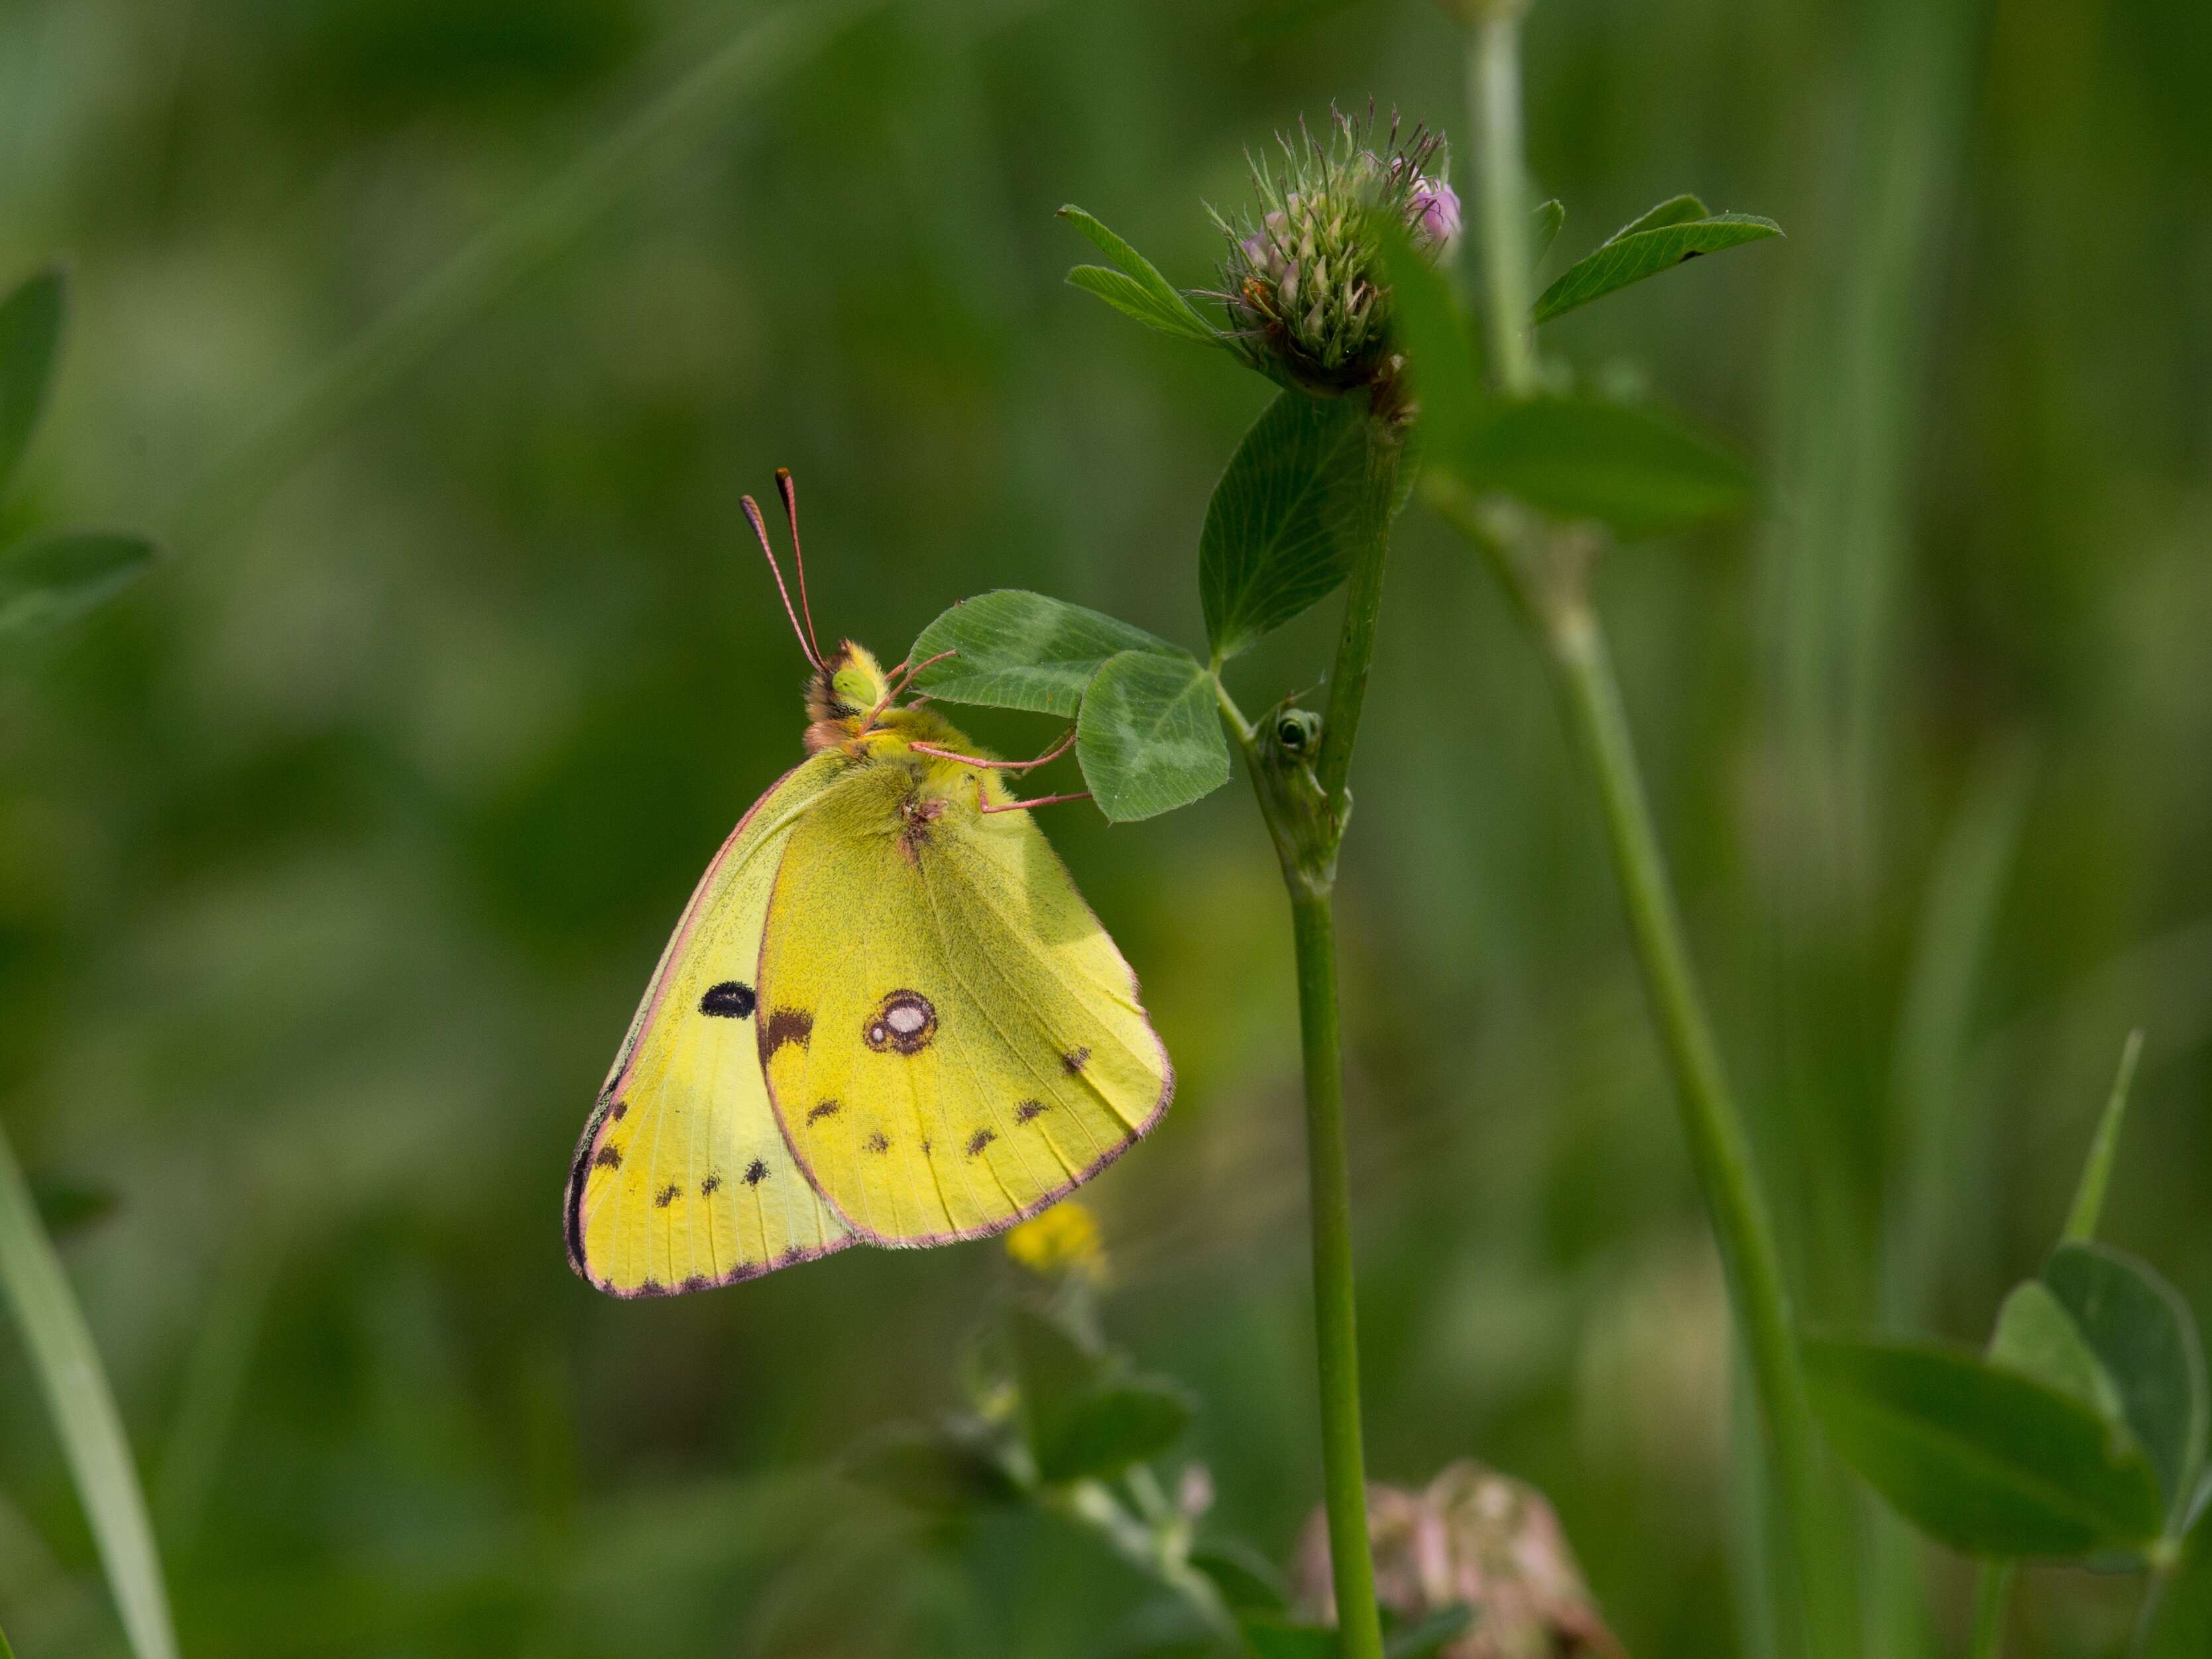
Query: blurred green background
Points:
[333, 858]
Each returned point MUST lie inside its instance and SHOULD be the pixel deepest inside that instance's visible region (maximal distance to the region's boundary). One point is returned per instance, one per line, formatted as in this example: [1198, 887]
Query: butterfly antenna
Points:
[789, 491]
[760, 531]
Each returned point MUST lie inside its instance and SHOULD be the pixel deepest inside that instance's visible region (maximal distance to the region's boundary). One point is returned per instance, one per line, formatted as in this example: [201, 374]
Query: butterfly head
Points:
[848, 696]
[852, 706]
[851, 703]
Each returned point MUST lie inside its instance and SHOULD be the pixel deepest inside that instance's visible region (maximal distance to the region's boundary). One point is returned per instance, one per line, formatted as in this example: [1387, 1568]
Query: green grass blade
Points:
[84, 1413]
[2097, 1174]
[1943, 1124]
[6, 1652]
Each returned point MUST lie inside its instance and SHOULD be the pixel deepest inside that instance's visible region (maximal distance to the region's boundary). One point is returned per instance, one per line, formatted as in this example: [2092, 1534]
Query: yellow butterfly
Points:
[886, 1017]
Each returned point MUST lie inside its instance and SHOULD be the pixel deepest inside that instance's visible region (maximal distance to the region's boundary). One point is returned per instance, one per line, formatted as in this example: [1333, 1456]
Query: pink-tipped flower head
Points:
[1433, 215]
[1476, 1539]
[1302, 282]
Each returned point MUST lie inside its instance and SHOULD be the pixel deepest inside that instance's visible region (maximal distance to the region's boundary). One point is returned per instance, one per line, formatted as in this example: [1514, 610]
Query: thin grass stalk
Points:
[83, 1408]
[1719, 1149]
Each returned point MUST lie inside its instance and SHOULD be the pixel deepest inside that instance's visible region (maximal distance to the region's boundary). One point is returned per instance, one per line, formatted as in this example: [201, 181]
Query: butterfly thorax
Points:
[850, 711]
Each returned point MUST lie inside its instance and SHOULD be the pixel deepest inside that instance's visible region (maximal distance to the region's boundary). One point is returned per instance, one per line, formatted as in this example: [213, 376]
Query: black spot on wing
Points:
[979, 1140]
[1029, 1109]
[621, 1110]
[608, 1156]
[877, 1142]
[728, 1000]
[666, 1196]
[756, 1172]
[827, 1108]
[710, 1186]
[1074, 1062]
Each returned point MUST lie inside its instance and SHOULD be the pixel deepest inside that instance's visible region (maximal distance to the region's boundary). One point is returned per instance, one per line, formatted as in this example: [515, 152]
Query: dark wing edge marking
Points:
[580, 1167]
[1038, 1205]
[580, 1173]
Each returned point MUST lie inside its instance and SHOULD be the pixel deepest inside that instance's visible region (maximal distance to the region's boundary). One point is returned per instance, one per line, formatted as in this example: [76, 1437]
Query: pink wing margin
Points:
[588, 1149]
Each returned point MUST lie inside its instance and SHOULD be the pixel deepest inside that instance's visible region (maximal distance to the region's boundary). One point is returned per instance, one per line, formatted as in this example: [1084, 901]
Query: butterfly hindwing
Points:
[682, 1179]
[950, 1040]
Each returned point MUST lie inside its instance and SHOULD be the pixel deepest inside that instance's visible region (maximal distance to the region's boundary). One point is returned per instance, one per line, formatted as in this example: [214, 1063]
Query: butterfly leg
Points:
[904, 673]
[984, 805]
[1051, 754]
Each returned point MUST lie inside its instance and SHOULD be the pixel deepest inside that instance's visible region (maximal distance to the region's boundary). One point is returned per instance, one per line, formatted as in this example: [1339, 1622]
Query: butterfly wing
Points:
[682, 1180]
[951, 1040]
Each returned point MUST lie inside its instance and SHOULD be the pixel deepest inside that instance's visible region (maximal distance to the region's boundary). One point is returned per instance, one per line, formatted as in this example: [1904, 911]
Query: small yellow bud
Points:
[1064, 1240]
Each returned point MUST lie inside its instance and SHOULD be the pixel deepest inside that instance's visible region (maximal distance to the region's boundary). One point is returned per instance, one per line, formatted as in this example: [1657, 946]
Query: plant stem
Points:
[1544, 569]
[1493, 101]
[1344, 1479]
[83, 1407]
[1718, 1147]
[1362, 606]
[1305, 808]
[1991, 1591]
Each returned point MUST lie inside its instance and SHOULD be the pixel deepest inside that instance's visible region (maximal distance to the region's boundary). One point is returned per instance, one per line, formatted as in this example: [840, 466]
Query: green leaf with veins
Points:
[2143, 1334]
[1670, 233]
[1149, 737]
[1980, 1457]
[1674, 211]
[2037, 1337]
[1020, 650]
[1551, 218]
[1136, 289]
[1283, 524]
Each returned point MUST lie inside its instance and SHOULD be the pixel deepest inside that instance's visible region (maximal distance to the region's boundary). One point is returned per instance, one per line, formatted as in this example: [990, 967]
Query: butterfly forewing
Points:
[952, 1042]
[682, 1179]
